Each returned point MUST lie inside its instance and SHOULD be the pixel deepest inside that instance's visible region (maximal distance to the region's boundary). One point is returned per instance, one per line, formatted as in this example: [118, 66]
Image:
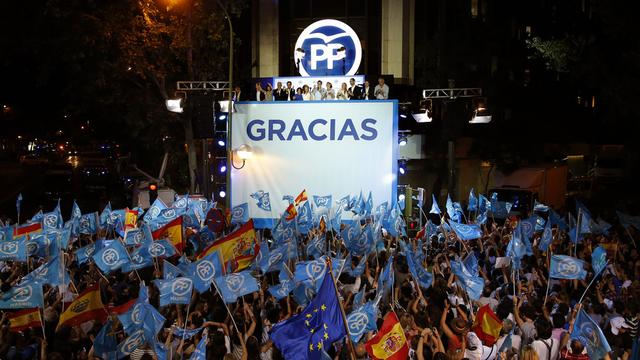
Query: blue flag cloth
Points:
[362, 320]
[396, 226]
[483, 203]
[274, 259]
[368, 205]
[235, 285]
[304, 218]
[170, 271]
[262, 199]
[316, 246]
[204, 271]
[131, 343]
[516, 249]
[304, 335]
[540, 207]
[434, 206]
[473, 202]
[386, 279]
[15, 250]
[154, 210]
[322, 203]
[53, 219]
[133, 237]
[51, 273]
[105, 342]
[471, 264]
[88, 224]
[27, 295]
[528, 227]
[473, 285]
[162, 249]
[336, 220]
[185, 333]
[590, 335]
[283, 289]
[311, 272]
[111, 257]
[358, 270]
[451, 211]
[302, 294]
[240, 214]
[422, 276]
[598, 259]
[547, 237]
[105, 215]
[358, 299]
[139, 259]
[200, 353]
[566, 267]
[466, 232]
[174, 291]
[556, 219]
[84, 253]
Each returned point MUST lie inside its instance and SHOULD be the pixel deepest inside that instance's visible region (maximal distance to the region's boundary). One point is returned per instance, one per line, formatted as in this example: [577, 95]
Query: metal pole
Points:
[451, 161]
[206, 177]
[230, 114]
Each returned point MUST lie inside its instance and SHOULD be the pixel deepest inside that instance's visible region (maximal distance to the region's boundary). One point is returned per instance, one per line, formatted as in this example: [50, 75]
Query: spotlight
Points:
[424, 114]
[402, 140]
[402, 167]
[222, 117]
[244, 152]
[222, 193]
[221, 140]
[401, 197]
[175, 105]
[481, 114]
[223, 168]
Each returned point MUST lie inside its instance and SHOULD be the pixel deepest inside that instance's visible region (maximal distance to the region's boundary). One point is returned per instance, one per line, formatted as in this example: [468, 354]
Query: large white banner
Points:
[333, 148]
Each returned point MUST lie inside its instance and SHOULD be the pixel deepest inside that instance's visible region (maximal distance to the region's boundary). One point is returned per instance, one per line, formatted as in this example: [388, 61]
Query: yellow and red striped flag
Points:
[240, 247]
[291, 212]
[173, 232]
[29, 229]
[24, 319]
[300, 198]
[130, 218]
[390, 342]
[87, 306]
[487, 326]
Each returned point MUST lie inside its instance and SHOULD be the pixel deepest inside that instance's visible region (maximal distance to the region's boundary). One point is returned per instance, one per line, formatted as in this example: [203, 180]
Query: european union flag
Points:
[361, 320]
[204, 271]
[240, 214]
[598, 259]
[305, 335]
[237, 284]
[26, 295]
[262, 199]
[435, 209]
[15, 250]
[466, 232]
[111, 257]
[174, 291]
[566, 267]
[590, 335]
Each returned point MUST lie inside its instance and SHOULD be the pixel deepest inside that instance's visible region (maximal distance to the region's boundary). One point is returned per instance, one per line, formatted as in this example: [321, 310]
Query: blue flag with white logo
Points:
[386, 278]
[466, 231]
[131, 343]
[51, 273]
[262, 199]
[170, 271]
[162, 249]
[556, 219]
[471, 264]
[304, 218]
[528, 227]
[200, 353]
[304, 335]
[14, 250]
[105, 342]
[154, 210]
[27, 295]
[174, 291]
[590, 335]
[281, 290]
[139, 259]
[598, 259]
[88, 224]
[362, 320]
[547, 237]
[566, 267]
[422, 276]
[53, 219]
[185, 333]
[316, 246]
[358, 270]
[473, 202]
[111, 257]
[311, 272]
[235, 285]
[473, 285]
[133, 237]
[204, 271]
[451, 210]
[84, 253]
[435, 209]
[240, 214]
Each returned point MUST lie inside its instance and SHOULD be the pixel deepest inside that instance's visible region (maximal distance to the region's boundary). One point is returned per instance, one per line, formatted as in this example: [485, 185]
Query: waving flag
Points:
[53, 219]
[262, 199]
[240, 214]
[487, 326]
[88, 224]
[304, 218]
[172, 231]
[422, 276]
[155, 209]
[105, 215]
[140, 258]
[471, 283]
[15, 250]
[27, 295]
[235, 285]
[473, 202]
[283, 289]
[598, 259]
[200, 353]
[322, 203]
[547, 237]
[316, 246]
[435, 209]
[131, 343]
[239, 247]
[590, 335]
[105, 342]
[390, 342]
[466, 232]
[162, 249]
[111, 257]
[24, 319]
[311, 272]
[185, 333]
[336, 220]
[204, 271]
[358, 270]
[566, 267]
[134, 237]
[170, 271]
[386, 278]
[51, 273]
[87, 306]
[174, 291]
[362, 320]
[451, 211]
[304, 335]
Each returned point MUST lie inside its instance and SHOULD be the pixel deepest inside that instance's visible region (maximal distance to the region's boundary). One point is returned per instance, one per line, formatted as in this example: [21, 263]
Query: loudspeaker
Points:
[202, 115]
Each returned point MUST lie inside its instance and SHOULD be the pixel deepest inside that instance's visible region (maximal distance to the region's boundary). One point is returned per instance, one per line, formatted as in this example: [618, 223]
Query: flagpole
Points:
[633, 241]
[590, 283]
[548, 278]
[44, 335]
[185, 325]
[575, 246]
[225, 305]
[342, 313]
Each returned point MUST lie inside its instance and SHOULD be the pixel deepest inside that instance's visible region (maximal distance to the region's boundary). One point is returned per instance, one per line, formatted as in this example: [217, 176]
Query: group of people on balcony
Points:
[319, 91]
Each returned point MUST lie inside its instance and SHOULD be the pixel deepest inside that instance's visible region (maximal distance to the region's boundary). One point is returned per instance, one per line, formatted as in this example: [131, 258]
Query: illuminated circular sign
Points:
[328, 47]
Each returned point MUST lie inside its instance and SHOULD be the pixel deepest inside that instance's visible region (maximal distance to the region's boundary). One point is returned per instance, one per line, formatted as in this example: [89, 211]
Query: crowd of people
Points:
[534, 315]
[318, 92]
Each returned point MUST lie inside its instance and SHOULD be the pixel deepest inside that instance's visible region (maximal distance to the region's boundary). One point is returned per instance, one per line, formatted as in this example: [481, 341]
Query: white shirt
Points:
[381, 92]
[542, 350]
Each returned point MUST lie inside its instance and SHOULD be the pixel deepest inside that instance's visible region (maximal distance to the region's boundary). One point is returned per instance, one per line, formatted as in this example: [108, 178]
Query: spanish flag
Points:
[240, 247]
[29, 229]
[487, 326]
[173, 232]
[291, 212]
[300, 198]
[25, 319]
[130, 218]
[87, 306]
[389, 342]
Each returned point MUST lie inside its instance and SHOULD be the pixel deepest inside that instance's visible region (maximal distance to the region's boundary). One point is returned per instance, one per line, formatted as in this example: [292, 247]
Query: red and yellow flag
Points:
[29, 229]
[87, 306]
[240, 247]
[25, 319]
[130, 218]
[173, 232]
[389, 342]
[487, 326]
[290, 212]
[300, 198]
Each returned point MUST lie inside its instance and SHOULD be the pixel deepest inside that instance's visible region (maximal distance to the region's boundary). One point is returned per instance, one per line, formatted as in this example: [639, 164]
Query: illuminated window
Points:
[474, 8]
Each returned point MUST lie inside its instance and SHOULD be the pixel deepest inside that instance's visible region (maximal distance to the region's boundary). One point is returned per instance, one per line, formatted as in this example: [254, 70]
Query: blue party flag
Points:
[240, 214]
[304, 335]
[133, 237]
[311, 272]
[566, 267]
[174, 291]
[466, 231]
[105, 342]
[322, 202]
[528, 227]
[590, 335]
[105, 215]
[111, 257]
[53, 219]
[204, 271]
[483, 204]
[598, 259]
[14, 250]
[154, 210]
[131, 343]
[50, 273]
[283, 289]
[368, 205]
[304, 218]
[26, 295]
[170, 271]
[162, 249]
[361, 320]
[358, 270]
[316, 246]
[540, 207]
[422, 276]
[358, 299]
[556, 219]
[302, 294]
[547, 237]
[262, 199]
[88, 224]
[435, 209]
[386, 278]
[471, 264]
[237, 284]
[139, 259]
[473, 285]
[76, 213]
[200, 353]
[185, 333]
[396, 226]
[451, 211]
[473, 202]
